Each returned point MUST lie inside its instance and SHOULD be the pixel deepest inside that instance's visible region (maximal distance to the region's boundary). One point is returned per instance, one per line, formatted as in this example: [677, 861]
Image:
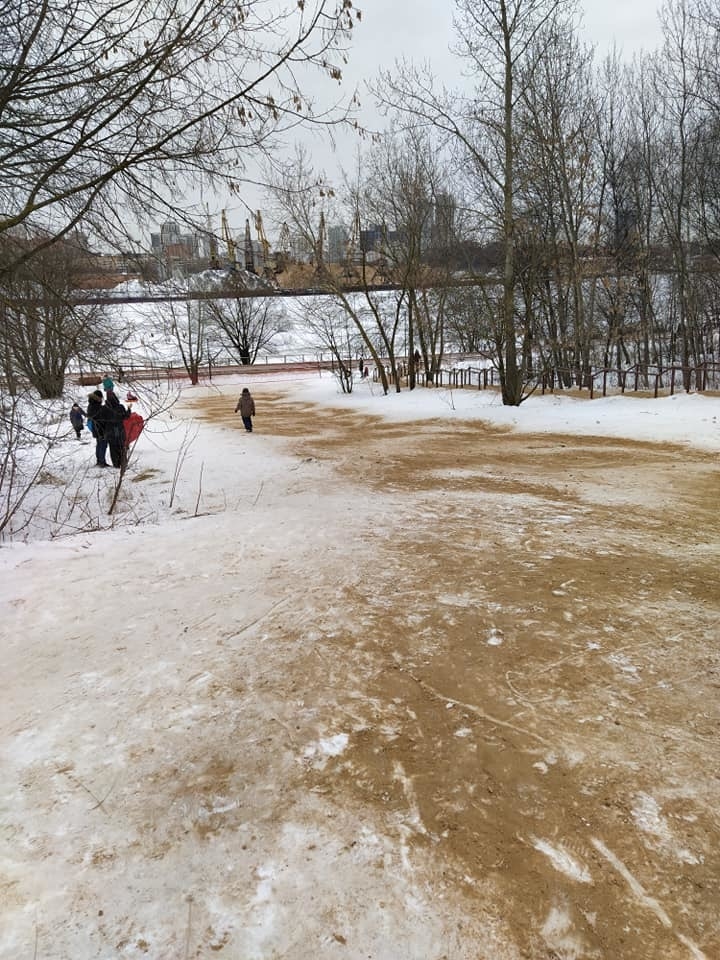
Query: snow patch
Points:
[558, 933]
[563, 861]
[321, 750]
[648, 818]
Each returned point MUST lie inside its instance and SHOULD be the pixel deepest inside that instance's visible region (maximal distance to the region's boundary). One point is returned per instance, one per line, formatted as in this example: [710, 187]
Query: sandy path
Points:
[444, 692]
[535, 674]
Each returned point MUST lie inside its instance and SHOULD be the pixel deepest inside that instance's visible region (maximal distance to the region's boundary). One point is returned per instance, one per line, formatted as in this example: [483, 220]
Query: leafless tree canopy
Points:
[245, 325]
[106, 104]
[41, 330]
[598, 186]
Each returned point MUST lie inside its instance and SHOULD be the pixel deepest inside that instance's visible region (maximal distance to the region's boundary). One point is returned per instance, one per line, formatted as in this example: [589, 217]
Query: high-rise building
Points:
[179, 252]
[337, 239]
[443, 225]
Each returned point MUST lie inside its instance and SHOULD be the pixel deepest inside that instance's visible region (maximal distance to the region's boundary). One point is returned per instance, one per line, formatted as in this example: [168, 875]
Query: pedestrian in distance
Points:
[97, 418]
[77, 419]
[246, 406]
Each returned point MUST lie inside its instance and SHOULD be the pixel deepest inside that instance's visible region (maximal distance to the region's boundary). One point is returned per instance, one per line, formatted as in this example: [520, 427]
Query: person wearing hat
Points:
[246, 406]
[114, 429]
[97, 418]
[77, 419]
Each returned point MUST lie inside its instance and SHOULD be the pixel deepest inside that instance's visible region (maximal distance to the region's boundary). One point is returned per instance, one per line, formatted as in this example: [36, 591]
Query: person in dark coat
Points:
[97, 418]
[246, 406]
[115, 414]
[77, 419]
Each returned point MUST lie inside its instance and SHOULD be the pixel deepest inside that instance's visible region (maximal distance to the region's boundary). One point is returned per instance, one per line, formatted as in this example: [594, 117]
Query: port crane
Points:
[267, 264]
[249, 252]
[229, 242]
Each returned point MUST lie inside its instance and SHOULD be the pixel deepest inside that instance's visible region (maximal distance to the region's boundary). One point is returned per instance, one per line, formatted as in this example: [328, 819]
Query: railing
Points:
[598, 382]
[640, 378]
[288, 362]
[172, 371]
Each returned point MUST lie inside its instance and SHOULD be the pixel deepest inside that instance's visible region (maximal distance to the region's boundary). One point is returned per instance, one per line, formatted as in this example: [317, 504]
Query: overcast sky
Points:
[421, 30]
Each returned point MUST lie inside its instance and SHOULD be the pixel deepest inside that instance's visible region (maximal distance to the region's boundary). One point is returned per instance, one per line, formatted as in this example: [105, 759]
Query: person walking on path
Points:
[97, 418]
[246, 406]
[77, 419]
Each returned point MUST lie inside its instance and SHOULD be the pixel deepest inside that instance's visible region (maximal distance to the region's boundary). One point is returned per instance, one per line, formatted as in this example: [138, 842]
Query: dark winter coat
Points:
[98, 415]
[76, 418]
[116, 411]
[246, 405]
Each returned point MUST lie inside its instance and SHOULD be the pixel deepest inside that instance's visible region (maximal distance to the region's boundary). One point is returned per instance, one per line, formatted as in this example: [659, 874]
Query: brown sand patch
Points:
[530, 666]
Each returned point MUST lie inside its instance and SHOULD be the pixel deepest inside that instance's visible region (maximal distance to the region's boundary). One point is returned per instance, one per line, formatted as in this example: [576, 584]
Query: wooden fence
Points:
[598, 382]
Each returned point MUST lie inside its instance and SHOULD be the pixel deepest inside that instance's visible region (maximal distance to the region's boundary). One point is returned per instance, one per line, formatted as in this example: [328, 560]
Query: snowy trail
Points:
[336, 712]
[153, 760]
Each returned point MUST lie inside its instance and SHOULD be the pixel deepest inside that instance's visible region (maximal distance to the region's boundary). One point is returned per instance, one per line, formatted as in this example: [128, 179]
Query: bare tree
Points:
[302, 198]
[188, 326]
[24, 449]
[43, 330]
[707, 25]
[557, 203]
[333, 331]
[106, 105]
[497, 40]
[245, 325]
[405, 190]
[676, 89]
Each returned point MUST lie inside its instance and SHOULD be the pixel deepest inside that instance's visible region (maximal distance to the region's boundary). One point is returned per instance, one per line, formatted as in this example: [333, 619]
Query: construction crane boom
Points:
[229, 242]
[267, 264]
[249, 252]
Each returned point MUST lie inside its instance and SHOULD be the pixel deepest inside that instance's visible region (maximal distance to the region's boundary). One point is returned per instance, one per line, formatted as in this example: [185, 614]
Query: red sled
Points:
[133, 427]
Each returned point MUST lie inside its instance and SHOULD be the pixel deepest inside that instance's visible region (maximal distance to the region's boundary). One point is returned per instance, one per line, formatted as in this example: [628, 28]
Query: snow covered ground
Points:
[171, 726]
[692, 419]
